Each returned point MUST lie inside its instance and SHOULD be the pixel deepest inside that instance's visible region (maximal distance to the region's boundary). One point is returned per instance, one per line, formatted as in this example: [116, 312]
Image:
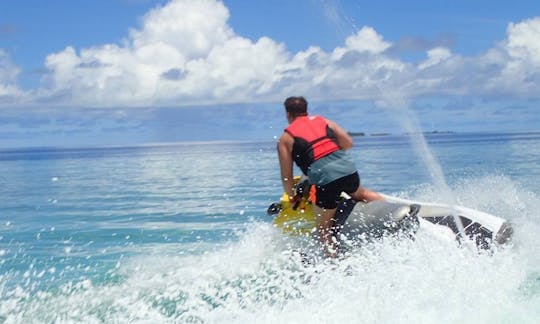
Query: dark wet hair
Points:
[296, 106]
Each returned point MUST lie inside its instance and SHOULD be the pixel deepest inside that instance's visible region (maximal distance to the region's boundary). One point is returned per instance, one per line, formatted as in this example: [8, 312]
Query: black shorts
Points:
[327, 196]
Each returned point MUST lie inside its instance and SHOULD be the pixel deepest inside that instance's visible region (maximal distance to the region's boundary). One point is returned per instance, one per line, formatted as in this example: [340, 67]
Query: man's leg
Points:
[325, 224]
[366, 195]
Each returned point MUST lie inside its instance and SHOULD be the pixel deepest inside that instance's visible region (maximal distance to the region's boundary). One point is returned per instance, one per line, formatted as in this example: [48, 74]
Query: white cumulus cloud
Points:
[524, 41]
[512, 68]
[186, 53]
[435, 56]
[367, 40]
[8, 77]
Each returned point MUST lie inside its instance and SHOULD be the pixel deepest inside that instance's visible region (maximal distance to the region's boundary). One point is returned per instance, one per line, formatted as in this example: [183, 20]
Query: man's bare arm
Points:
[344, 139]
[284, 148]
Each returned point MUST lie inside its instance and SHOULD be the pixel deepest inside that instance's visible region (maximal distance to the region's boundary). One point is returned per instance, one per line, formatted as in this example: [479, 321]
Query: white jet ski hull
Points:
[375, 219]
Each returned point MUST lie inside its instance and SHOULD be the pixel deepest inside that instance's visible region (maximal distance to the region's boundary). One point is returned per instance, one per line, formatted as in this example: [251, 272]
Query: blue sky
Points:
[113, 72]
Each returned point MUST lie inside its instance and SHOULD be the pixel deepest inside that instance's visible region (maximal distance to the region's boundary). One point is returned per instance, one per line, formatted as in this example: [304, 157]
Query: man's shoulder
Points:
[286, 137]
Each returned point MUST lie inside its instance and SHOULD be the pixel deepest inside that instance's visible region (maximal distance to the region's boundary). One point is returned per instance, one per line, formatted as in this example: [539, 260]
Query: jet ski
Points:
[358, 221]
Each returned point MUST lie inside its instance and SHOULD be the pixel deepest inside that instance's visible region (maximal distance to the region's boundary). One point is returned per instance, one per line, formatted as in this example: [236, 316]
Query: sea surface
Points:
[177, 233]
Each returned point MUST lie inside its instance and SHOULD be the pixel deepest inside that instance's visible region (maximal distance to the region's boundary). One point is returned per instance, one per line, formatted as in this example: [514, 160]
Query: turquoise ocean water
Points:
[178, 234]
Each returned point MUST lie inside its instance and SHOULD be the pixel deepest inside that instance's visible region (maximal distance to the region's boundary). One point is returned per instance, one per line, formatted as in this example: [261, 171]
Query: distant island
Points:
[359, 134]
[356, 134]
[432, 132]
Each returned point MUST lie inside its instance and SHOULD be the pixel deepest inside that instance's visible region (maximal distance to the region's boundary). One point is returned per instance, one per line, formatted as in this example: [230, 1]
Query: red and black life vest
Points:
[313, 139]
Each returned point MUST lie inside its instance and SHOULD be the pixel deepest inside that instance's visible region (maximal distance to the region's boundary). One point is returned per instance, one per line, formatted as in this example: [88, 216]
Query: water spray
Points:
[393, 100]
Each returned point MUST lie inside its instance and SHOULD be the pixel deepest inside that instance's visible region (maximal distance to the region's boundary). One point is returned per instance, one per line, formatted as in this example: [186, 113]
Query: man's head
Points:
[296, 107]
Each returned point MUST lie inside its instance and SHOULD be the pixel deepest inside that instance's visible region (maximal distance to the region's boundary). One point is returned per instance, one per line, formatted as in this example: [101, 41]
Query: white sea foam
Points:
[261, 277]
